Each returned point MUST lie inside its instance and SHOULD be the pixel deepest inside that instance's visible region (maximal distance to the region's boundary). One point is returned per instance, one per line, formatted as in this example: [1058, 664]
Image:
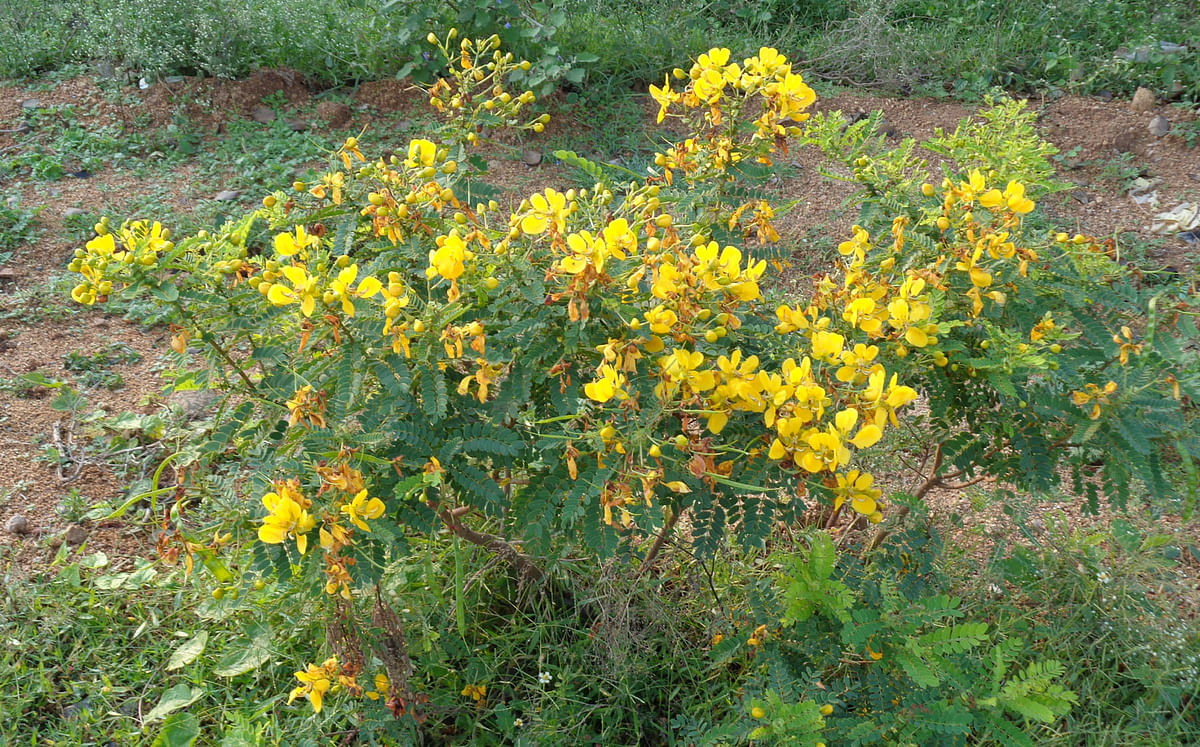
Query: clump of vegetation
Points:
[446, 415]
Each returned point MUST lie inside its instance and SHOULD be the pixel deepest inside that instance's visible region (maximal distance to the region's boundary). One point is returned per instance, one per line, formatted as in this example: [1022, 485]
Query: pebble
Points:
[1159, 126]
[227, 195]
[532, 157]
[263, 114]
[75, 535]
[31, 104]
[193, 403]
[72, 212]
[1143, 100]
[17, 524]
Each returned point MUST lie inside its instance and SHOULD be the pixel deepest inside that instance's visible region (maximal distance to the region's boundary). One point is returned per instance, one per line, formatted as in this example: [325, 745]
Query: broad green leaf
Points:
[179, 730]
[246, 654]
[188, 651]
[180, 696]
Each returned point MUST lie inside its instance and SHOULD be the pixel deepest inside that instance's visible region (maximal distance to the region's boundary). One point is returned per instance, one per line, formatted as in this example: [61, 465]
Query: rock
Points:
[227, 195]
[31, 104]
[297, 125]
[75, 535]
[334, 113]
[1159, 126]
[74, 212]
[1143, 100]
[194, 403]
[17, 524]
[263, 114]
[532, 157]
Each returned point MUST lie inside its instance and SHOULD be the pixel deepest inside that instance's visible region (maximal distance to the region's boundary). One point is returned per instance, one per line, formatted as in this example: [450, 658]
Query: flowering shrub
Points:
[400, 356]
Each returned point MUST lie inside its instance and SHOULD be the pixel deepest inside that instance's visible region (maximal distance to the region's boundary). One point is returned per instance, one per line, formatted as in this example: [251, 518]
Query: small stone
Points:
[31, 104]
[227, 195]
[194, 403]
[532, 157]
[74, 212]
[297, 125]
[75, 535]
[334, 113]
[17, 524]
[1159, 126]
[1143, 100]
[263, 114]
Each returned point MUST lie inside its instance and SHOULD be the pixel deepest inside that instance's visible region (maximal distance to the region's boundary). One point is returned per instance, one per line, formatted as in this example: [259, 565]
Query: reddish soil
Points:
[1101, 131]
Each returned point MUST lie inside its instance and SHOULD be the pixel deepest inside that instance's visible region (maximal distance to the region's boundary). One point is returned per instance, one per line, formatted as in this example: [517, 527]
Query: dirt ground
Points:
[1093, 134]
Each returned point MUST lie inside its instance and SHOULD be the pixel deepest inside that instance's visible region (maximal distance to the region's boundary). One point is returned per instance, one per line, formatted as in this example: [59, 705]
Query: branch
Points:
[498, 545]
[663, 534]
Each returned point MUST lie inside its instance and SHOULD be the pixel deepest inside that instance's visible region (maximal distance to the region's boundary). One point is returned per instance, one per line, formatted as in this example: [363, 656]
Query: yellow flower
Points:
[858, 364]
[287, 244]
[1013, 198]
[886, 397]
[609, 385]
[827, 346]
[661, 320]
[303, 291]
[549, 209]
[448, 259]
[680, 367]
[315, 682]
[361, 508]
[286, 517]
[382, 687]
[664, 96]
[421, 153]
[475, 692]
[856, 487]
[342, 288]
[350, 148]
[1127, 345]
[1095, 395]
[307, 406]
[980, 277]
[330, 184]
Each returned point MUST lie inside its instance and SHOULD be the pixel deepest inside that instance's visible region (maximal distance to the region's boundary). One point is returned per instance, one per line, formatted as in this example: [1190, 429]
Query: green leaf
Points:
[246, 654]
[188, 651]
[821, 556]
[179, 730]
[180, 696]
[917, 669]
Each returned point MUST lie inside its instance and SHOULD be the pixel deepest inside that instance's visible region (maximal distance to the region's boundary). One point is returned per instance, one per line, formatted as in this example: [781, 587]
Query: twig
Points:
[667, 527]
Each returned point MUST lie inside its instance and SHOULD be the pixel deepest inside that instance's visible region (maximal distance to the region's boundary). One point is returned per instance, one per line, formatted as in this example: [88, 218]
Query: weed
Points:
[17, 226]
[94, 369]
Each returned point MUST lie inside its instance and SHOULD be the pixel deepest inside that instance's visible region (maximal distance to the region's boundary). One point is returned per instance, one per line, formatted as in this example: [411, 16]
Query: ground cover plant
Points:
[439, 416]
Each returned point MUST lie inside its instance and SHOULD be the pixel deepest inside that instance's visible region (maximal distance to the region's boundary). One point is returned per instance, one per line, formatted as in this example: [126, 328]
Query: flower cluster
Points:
[720, 90]
[112, 256]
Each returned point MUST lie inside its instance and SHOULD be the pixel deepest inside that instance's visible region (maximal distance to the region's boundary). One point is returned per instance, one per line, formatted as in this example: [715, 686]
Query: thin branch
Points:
[663, 534]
